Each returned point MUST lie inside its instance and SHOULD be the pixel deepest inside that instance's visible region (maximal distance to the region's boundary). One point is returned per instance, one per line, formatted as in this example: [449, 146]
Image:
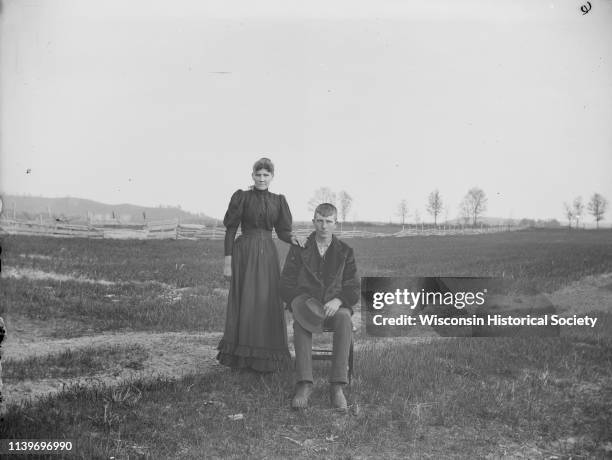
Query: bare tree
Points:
[434, 205]
[402, 211]
[417, 217]
[597, 207]
[321, 195]
[346, 201]
[474, 204]
[578, 210]
[464, 212]
[569, 214]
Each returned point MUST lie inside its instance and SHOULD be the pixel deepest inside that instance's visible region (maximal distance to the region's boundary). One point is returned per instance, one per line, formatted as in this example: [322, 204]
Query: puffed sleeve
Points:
[284, 222]
[232, 220]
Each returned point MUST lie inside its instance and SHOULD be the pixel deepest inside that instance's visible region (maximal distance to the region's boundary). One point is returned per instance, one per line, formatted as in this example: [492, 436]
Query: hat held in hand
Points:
[308, 312]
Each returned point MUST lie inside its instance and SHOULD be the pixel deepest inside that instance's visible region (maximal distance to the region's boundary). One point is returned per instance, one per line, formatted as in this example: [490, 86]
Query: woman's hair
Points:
[264, 163]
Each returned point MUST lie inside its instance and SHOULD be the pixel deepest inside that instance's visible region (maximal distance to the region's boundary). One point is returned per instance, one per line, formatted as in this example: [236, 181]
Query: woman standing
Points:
[255, 334]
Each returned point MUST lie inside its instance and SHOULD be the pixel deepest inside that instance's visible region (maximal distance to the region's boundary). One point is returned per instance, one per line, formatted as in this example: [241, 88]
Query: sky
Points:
[156, 102]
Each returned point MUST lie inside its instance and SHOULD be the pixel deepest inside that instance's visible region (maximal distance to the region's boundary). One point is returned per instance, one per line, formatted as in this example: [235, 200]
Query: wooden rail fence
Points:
[173, 229]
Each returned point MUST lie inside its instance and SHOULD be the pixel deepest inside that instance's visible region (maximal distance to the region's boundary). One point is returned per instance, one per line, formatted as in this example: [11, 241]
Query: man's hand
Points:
[227, 267]
[331, 307]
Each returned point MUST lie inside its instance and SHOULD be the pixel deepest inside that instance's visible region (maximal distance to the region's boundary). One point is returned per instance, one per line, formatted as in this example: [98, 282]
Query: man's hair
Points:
[264, 163]
[326, 210]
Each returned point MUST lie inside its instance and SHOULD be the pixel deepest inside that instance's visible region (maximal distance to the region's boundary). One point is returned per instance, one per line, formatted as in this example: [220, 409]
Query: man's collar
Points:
[322, 247]
[312, 239]
[324, 242]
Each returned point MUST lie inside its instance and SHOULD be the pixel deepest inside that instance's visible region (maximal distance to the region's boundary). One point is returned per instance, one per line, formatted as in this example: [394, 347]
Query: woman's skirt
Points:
[255, 330]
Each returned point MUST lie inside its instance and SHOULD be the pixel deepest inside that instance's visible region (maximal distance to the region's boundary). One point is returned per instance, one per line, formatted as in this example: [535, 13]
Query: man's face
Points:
[324, 226]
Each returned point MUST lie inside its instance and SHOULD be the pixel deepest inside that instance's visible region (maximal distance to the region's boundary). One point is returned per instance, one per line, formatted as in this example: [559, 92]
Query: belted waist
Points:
[258, 232]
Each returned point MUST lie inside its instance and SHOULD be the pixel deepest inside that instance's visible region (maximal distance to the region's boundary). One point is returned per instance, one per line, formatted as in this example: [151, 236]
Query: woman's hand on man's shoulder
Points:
[298, 240]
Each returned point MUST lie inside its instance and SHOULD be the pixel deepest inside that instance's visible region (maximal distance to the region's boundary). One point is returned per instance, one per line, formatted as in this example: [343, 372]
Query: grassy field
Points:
[448, 398]
[172, 285]
[460, 398]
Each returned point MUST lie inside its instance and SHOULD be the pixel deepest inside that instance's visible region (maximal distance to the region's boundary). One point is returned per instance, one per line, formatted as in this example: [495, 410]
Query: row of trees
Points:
[596, 206]
[473, 206]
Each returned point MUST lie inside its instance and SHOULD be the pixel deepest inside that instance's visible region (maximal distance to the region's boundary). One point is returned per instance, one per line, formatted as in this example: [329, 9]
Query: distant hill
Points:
[77, 210]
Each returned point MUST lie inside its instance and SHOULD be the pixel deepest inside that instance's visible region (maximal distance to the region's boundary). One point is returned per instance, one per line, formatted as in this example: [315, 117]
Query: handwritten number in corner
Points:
[586, 8]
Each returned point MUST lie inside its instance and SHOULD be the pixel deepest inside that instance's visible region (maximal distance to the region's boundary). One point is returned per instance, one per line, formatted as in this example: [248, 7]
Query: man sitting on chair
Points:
[320, 283]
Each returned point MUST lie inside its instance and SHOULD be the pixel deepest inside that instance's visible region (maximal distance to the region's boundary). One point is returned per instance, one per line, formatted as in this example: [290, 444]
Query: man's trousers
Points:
[342, 326]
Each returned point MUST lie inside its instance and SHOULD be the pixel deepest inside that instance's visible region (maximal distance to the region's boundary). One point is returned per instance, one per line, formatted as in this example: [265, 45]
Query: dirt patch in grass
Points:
[33, 274]
[41, 275]
[35, 256]
[171, 354]
[25, 332]
[592, 293]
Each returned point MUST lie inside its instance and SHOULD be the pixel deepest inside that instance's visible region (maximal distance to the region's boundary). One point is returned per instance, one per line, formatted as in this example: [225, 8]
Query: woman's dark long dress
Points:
[255, 330]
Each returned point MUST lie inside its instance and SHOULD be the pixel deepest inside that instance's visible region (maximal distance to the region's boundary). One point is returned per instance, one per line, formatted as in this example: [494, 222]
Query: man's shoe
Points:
[336, 396]
[303, 390]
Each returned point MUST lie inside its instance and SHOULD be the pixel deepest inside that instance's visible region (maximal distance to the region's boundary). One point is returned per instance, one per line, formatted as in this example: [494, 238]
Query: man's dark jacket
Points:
[300, 273]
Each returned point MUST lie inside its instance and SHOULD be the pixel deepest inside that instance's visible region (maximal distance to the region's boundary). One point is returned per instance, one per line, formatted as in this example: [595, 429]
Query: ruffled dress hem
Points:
[258, 359]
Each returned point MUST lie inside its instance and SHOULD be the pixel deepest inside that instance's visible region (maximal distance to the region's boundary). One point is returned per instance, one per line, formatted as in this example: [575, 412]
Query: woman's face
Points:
[262, 179]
